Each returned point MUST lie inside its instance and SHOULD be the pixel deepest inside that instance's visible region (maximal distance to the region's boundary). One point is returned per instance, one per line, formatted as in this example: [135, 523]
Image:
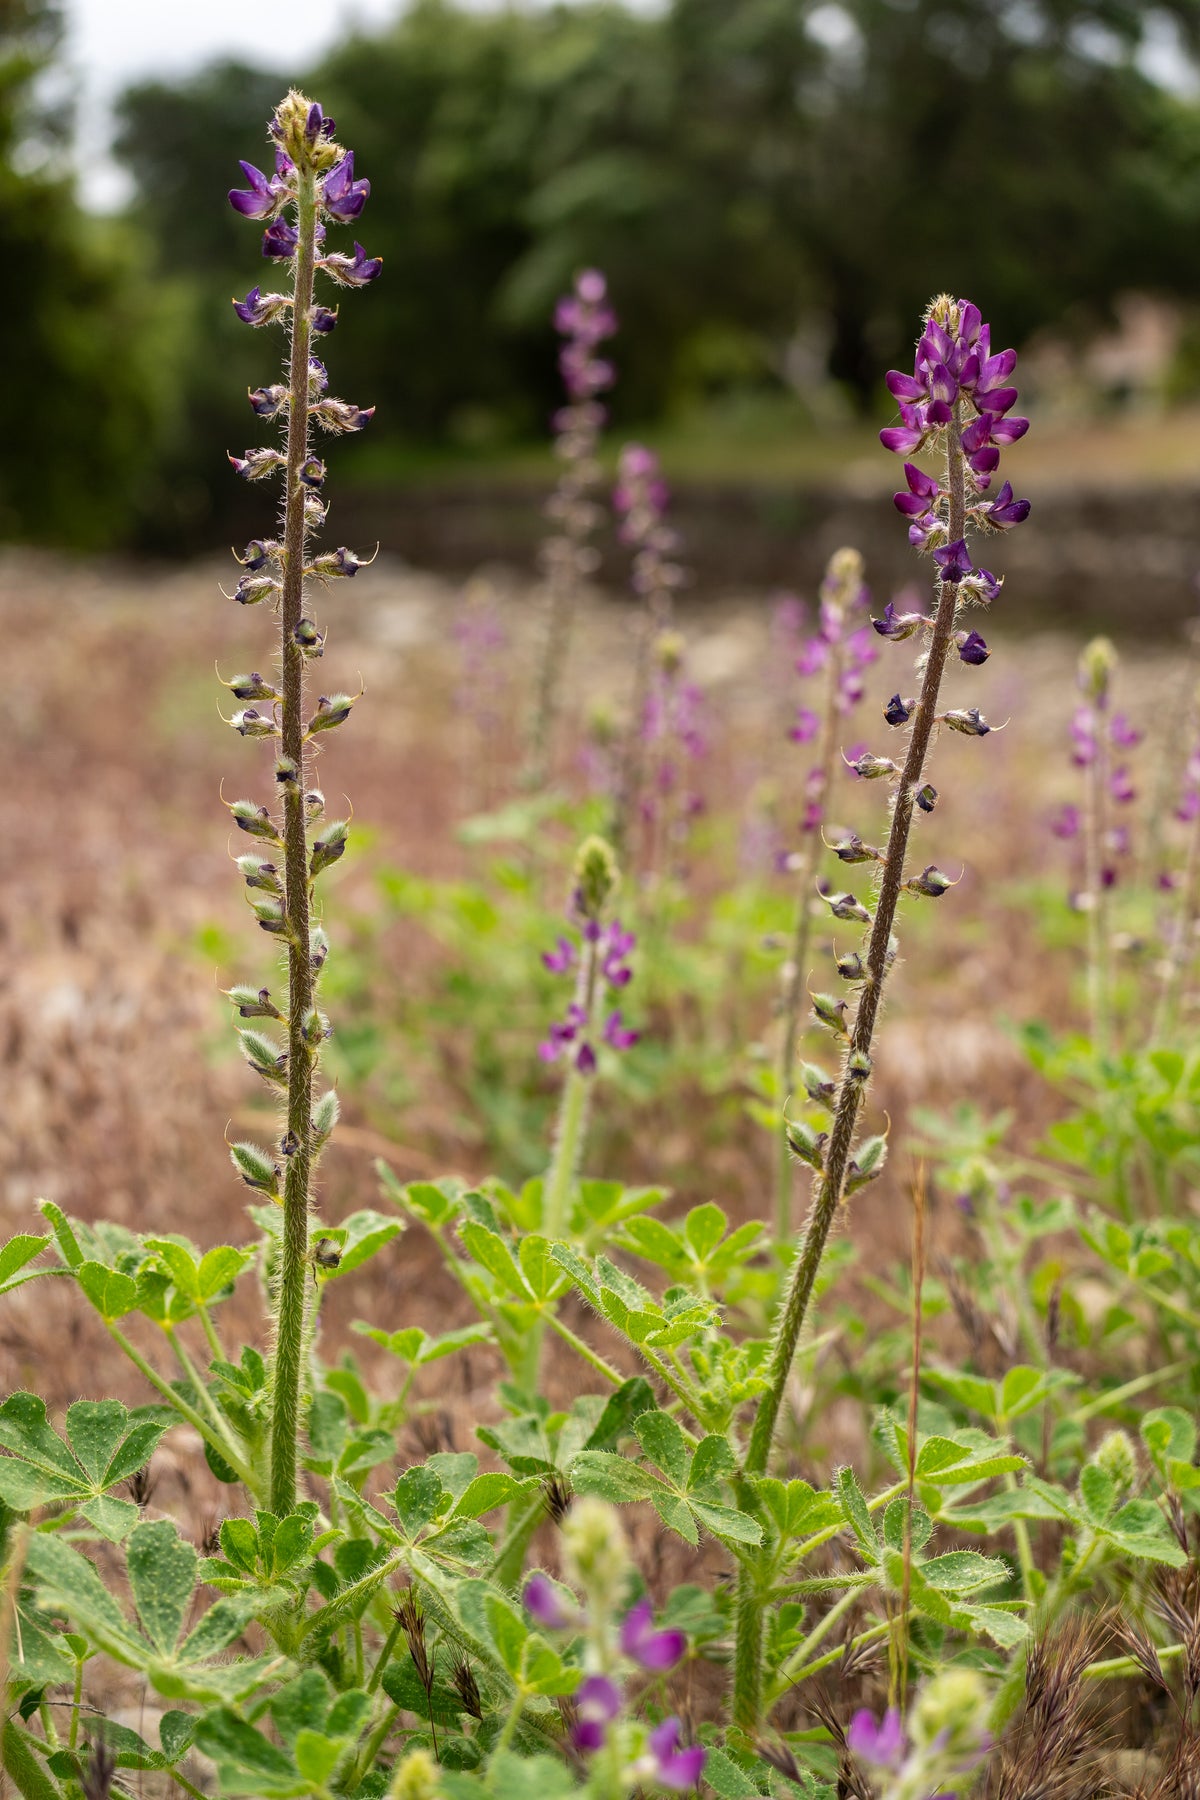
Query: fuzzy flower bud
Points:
[596, 877]
[1115, 1454]
[595, 1555]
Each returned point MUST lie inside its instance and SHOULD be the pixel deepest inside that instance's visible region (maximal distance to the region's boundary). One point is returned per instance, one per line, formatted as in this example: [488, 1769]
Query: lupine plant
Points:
[583, 319]
[377, 1611]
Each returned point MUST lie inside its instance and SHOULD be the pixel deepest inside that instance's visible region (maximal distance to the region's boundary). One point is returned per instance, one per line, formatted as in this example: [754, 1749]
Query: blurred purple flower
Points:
[675, 1768]
[639, 1640]
[881, 1745]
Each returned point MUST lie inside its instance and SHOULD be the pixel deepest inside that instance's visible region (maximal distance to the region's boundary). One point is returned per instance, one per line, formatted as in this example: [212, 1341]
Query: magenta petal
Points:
[904, 387]
[900, 438]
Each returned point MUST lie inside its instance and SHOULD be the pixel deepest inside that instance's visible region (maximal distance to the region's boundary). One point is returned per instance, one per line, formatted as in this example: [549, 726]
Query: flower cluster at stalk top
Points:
[599, 1701]
[956, 376]
[583, 319]
[597, 956]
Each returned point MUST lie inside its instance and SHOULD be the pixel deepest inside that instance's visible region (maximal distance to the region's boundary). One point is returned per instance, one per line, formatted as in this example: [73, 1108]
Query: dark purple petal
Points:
[905, 387]
[971, 648]
[279, 241]
[258, 200]
[952, 561]
[543, 1604]
[996, 400]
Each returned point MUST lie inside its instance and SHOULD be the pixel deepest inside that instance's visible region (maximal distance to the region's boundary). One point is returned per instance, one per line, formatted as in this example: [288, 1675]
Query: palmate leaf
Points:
[690, 1492]
[162, 1576]
[106, 1446]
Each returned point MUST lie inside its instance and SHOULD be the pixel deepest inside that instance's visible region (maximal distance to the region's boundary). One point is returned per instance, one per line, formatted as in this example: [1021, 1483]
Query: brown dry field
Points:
[120, 1077]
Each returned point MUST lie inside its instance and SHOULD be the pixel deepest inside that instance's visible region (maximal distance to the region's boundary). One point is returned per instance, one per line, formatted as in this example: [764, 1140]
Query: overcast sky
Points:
[113, 42]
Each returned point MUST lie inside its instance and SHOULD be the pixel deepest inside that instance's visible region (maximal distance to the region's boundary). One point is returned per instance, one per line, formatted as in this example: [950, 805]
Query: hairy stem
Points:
[1099, 956]
[793, 992]
[293, 1270]
[748, 1656]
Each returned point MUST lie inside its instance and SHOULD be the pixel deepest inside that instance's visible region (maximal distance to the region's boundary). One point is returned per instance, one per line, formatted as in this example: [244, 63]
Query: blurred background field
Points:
[774, 189]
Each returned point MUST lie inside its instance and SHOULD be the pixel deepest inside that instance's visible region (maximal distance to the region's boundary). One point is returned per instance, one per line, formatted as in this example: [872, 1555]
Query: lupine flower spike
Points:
[640, 502]
[313, 183]
[1096, 734]
[583, 319]
[959, 401]
[840, 651]
[595, 956]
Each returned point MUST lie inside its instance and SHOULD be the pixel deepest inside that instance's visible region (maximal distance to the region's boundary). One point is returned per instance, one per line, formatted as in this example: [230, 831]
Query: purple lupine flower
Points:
[563, 1032]
[279, 241]
[261, 309]
[597, 1703]
[882, 1744]
[805, 728]
[260, 199]
[352, 271]
[255, 555]
[323, 319]
[1120, 785]
[543, 1605]
[953, 561]
[1066, 822]
[268, 402]
[618, 1036]
[897, 625]
[923, 491]
[257, 463]
[1122, 733]
[971, 648]
[1083, 737]
[640, 1641]
[342, 197]
[1003, 512]
[560, 960]
[584, 319]
[812, 657]
[672, 1767]
[614, 968]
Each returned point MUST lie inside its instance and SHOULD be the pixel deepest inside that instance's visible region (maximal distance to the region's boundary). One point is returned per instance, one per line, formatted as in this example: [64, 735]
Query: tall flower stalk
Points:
[1180, 949]
[640, 501]
[838, 655]
[584, 319]
[958, 400]
[313, 182]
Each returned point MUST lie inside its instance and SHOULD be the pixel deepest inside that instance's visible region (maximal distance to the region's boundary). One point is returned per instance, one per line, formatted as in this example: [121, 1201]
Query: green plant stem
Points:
[211, 1333]
[747, 1689]
[76, 1702]
[510, 1557]
[192, 1374]
[384, 1656]
[187, 1786]
[1115, 1666]
[794, 1672]
[292, 1297]
[849, 1099]
[197, 1420]
[1099, 936]
[785, 1175]
[1116, 1396]
[592, 1357]
[370, 1750]
[1182, 950]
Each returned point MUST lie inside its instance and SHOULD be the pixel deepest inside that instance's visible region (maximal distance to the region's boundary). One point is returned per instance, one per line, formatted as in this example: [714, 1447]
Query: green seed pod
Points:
[324, 1117]
[264, 1057]
[251, 687]
[867, 1165]
[817, 1084]
[287, 775]
[318, 948]
[806, 1145]
[332, 709]
[317, 1028]
[851, 967]
[858, 1066]
[255, 820]
[256, 1168]
[270, 916]
[847, 906]
[251, 723]
[257, 872]
[329, 846]
[253, 1003]
[830, 1012]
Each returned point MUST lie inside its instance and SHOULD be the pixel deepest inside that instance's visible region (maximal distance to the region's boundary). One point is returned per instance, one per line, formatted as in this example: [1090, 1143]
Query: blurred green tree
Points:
[87, 376]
